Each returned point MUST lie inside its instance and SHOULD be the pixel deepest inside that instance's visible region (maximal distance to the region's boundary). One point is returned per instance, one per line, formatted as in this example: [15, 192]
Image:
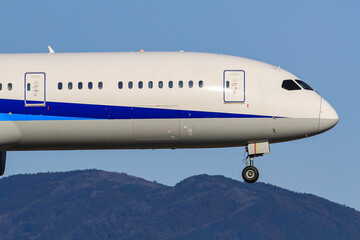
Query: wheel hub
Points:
[250, 174]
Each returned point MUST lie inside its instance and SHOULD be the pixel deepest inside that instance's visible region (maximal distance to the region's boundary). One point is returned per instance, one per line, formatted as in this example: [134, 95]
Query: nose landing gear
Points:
[250, 173]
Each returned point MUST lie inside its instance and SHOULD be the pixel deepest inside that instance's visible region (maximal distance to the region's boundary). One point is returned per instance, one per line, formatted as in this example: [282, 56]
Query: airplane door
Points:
[234, 86]
[35, 89]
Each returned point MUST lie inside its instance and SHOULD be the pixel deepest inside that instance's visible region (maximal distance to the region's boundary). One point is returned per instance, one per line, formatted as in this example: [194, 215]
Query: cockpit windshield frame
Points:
[304, 85]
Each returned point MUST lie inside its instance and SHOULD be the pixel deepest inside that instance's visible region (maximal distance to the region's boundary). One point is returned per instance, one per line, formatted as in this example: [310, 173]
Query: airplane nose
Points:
[328, 116]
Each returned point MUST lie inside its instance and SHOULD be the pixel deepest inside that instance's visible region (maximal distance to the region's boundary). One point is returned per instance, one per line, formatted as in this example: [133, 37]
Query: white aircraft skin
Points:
[233, 102]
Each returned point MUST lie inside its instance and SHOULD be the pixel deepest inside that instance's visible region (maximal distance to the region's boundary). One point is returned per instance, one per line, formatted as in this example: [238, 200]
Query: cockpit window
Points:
[290, 85]
[304, 85]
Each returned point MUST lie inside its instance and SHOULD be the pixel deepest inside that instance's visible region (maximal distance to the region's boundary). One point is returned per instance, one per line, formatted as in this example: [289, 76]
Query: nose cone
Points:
[328, 116]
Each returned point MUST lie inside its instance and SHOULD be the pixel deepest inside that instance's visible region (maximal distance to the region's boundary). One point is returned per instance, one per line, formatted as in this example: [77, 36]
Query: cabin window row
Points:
[160, 84]
[80, 85]
[9, 86]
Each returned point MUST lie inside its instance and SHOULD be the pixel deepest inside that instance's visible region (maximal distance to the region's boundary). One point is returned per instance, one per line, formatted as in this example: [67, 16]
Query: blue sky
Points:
[316, 40]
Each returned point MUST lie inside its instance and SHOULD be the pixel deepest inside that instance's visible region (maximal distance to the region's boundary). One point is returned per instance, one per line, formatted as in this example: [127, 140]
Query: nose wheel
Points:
[250, 173]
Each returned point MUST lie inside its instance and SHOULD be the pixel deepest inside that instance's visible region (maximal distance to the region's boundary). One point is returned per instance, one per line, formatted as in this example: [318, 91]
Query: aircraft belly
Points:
[239, 131]
[156, 129]
[152, 133]
[69, 134]
[9, 134]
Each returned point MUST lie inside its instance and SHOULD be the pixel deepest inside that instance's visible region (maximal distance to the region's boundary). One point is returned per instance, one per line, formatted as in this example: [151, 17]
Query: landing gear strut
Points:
[250, 173]
[2, 162]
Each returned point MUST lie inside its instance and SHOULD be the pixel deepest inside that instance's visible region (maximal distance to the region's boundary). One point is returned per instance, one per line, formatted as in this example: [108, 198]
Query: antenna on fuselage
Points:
[51, 51]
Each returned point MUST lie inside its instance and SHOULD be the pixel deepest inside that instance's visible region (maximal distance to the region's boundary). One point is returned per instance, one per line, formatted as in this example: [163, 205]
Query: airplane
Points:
[154, 100]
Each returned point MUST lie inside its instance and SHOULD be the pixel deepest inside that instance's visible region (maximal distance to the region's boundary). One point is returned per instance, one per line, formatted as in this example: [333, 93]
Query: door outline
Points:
[224, 87]
[30, 103]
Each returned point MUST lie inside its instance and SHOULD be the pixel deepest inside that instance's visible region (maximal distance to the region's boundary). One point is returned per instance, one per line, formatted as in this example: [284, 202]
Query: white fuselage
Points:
[46, 103]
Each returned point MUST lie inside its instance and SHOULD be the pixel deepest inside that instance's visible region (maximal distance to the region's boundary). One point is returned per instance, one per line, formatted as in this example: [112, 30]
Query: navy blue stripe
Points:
[90, 111]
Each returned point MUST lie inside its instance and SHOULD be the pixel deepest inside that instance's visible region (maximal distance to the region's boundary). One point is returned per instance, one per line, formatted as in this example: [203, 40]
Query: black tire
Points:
[250, 174]
[2, 162]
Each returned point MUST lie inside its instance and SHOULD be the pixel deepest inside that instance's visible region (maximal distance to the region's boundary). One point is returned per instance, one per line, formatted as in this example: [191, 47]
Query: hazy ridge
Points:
[94, 204]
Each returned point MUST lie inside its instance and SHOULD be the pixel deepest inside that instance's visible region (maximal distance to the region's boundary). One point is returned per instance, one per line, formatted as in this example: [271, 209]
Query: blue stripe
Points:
[24, 117]
[15, 110]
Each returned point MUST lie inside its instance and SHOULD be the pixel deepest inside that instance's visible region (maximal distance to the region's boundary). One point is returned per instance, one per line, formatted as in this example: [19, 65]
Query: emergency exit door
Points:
[35, 89]
[234, 86]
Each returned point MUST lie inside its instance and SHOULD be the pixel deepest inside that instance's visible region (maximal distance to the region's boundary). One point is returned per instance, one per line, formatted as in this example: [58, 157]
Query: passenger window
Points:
[80, 85]
[28, 86]
[60, 86]
[70, 85]
[130, 85]
[150, 84]
[10, 86]
[181, 84]
[290, 85]
[100, 85]
[227, 84]
[201, 84]
[161, 84]
[191, 84]
[120, 85]
[140, 85]
[171, 84]
[0, 86]
[90, 85]
[304, 85]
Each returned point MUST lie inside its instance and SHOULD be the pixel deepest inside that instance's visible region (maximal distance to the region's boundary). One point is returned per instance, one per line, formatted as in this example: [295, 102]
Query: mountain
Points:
[95, 204]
